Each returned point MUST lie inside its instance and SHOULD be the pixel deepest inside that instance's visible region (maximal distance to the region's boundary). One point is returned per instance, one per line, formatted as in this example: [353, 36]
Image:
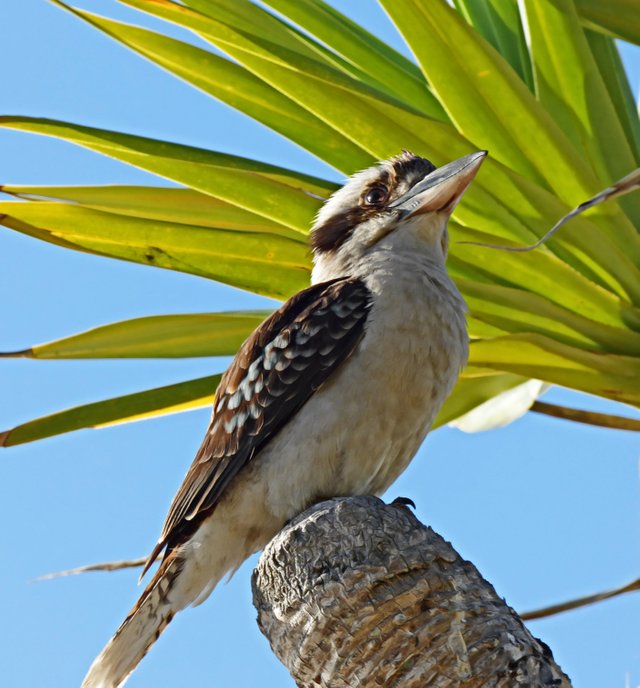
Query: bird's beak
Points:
[441, 189]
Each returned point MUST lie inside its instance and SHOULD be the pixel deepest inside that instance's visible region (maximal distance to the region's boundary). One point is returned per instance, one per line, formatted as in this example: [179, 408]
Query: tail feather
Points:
[151, 614]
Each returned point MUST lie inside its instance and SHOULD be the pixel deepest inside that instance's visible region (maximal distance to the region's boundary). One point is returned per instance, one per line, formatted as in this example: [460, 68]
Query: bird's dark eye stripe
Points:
[333, 233]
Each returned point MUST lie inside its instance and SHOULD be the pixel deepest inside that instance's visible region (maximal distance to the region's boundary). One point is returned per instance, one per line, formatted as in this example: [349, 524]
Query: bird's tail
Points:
[151, 614]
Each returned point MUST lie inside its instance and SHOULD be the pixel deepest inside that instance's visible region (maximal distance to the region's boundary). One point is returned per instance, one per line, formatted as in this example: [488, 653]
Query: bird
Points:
[330, 396]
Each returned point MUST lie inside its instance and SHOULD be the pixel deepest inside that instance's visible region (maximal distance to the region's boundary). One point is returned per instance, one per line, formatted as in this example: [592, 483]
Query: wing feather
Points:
[273, 374]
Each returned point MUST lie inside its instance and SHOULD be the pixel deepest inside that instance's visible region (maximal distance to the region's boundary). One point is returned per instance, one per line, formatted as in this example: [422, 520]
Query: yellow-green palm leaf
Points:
[556, 116]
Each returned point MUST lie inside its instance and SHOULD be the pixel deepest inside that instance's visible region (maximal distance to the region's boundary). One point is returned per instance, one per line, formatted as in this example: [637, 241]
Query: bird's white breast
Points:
[360, 430]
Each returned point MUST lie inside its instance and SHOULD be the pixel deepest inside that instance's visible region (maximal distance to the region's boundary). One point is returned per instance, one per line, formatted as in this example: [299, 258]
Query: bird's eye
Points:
[376, 195]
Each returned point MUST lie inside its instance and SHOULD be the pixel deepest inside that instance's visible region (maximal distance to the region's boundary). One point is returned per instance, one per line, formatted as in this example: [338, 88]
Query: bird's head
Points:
[400, 204]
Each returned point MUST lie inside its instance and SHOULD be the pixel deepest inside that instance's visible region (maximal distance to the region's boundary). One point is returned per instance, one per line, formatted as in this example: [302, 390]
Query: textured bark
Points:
[355, 592]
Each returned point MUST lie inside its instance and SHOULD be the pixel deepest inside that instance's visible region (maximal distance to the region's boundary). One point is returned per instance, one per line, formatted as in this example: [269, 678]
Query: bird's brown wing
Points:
[273, 374]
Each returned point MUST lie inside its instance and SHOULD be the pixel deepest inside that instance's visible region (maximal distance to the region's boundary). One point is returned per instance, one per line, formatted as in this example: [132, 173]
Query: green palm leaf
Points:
[605, 53]
[570, 87]
[386, 69]
[181, 206]
[280, 195]
[183, 396]
[538, 356]
[500, 24]
[615, 17]
[558, 119]
[265, 263]
[159, 336]
[239, 88]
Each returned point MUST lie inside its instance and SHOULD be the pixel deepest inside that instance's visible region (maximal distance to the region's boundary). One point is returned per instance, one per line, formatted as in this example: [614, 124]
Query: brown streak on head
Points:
[333, 233]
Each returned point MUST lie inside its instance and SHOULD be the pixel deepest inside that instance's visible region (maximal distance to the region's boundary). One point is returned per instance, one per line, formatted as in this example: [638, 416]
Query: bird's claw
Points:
[403, 501]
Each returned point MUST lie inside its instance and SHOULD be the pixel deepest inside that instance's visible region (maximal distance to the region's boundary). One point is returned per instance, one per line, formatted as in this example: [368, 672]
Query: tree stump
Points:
[355, 592]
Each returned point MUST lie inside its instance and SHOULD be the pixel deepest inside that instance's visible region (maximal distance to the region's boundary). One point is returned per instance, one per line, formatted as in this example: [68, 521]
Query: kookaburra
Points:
[331, 396]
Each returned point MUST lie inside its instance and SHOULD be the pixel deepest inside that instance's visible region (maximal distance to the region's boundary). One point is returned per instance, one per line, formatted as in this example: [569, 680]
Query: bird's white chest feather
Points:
[359, 431]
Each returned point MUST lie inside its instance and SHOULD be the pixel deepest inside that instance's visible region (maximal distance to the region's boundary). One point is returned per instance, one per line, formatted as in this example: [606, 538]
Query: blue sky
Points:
[547, 510]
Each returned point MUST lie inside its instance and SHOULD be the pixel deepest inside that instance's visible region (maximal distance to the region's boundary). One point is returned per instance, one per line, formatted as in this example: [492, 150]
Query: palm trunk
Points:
[355, 592]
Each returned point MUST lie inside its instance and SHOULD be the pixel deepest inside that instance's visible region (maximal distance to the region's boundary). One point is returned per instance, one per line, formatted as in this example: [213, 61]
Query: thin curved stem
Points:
[580, 602]
[603, 420]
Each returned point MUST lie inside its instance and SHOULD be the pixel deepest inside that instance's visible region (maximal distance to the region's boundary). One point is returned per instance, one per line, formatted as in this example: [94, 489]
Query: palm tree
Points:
[539, 84]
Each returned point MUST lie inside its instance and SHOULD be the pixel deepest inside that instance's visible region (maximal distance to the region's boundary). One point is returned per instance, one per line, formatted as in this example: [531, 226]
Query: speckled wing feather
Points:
[273, 374]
